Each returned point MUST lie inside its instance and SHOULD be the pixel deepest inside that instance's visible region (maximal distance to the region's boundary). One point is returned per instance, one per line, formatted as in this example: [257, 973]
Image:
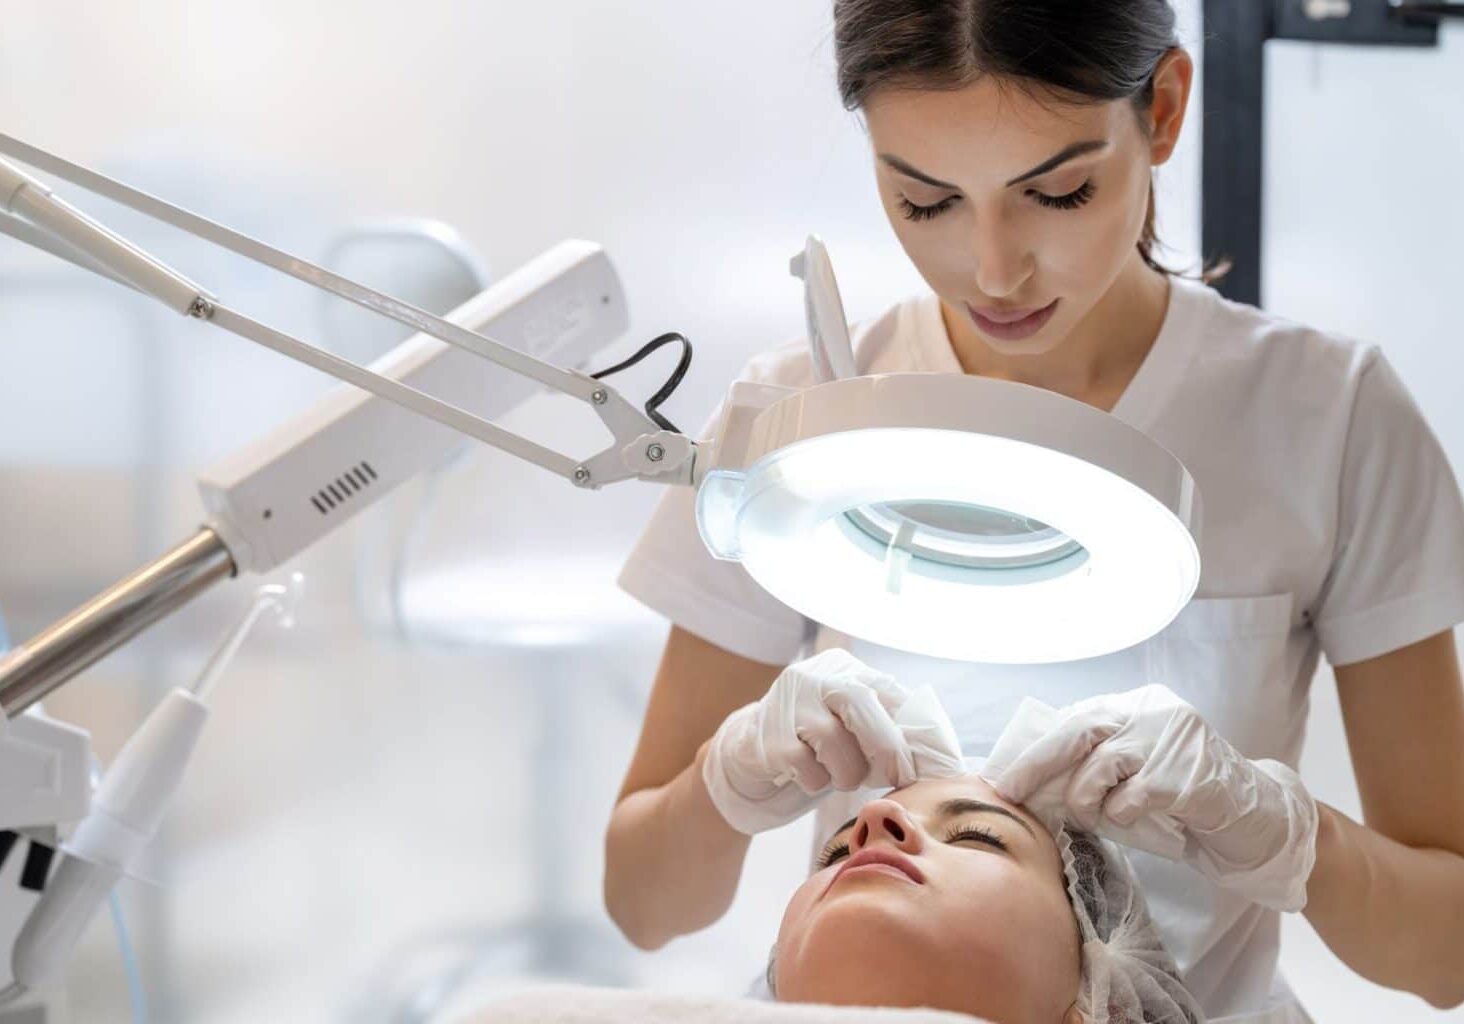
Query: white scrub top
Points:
[1332, 524]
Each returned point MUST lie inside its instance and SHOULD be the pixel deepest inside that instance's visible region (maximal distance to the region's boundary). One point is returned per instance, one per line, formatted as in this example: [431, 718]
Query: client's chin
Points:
[861, 952]
[862, 948]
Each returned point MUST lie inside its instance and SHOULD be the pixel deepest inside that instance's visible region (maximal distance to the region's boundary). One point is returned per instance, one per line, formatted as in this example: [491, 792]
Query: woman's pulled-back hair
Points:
[1101, 50]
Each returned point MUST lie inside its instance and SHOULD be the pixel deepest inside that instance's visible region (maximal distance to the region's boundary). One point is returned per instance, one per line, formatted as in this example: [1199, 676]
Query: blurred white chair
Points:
[558, 623]
[428, 264]
[573, 629]
[424, 262]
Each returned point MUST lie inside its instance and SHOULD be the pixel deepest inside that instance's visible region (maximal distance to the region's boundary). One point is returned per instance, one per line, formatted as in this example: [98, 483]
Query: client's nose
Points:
[888, 822]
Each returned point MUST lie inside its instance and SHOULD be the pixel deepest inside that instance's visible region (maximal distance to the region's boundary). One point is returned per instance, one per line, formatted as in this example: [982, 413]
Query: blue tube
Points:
[136, 994]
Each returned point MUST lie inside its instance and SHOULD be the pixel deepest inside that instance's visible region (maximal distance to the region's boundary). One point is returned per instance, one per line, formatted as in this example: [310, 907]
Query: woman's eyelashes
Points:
[838, 850]
[919, 213]
[974, 834]
[1068, 201]
[832, 852]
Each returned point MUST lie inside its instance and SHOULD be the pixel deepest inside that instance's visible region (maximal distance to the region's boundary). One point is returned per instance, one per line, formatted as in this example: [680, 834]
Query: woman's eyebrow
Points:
[914, 172]
[959, 806]
[1067, 153]
[1059, 158]
[954, 809]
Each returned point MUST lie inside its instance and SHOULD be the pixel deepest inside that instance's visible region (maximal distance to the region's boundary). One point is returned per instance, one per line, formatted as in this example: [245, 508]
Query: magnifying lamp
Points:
[957, 517]
[946, 514]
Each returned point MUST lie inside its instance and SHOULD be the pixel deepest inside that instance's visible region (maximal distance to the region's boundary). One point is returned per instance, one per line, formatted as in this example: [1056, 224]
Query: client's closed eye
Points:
[837, 850]
[832, 852]
[976, 834]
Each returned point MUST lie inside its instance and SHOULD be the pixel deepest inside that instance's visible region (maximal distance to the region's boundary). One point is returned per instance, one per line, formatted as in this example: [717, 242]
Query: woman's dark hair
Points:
[1095, 49]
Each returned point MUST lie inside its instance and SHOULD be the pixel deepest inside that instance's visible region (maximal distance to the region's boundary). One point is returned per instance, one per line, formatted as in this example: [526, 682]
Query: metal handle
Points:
[1426, 10]
[107, 621]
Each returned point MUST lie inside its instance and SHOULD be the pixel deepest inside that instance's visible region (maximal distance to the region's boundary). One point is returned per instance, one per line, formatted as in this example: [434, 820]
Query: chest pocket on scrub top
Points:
[1228, 656]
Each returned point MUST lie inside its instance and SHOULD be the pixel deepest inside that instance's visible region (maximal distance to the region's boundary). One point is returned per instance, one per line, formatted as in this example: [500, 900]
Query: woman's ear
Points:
[1172, 79]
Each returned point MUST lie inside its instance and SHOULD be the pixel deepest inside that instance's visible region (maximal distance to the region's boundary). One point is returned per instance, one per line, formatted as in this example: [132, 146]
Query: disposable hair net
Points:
[1127, 975]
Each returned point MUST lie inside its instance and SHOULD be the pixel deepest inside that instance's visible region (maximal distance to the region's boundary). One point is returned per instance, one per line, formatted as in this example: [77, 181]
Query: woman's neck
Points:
[1097, 360]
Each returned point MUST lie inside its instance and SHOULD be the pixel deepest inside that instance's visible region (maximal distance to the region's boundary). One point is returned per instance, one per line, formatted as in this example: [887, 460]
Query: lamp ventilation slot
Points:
[343, 488]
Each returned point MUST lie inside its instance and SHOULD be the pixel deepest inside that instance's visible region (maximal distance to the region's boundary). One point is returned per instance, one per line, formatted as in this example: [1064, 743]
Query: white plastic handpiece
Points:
[125, 814]
[128, 807]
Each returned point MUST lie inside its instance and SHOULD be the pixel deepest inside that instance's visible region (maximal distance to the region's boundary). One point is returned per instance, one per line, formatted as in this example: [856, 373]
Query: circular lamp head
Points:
[957, 517]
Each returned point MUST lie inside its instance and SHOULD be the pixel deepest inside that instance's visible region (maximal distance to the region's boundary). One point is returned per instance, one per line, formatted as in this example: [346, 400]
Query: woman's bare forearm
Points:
[1393, 913]
[671, 860]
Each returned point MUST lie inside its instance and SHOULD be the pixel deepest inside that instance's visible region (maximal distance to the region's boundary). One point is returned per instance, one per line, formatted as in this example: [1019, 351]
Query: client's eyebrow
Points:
[957, 807]
[954, 809]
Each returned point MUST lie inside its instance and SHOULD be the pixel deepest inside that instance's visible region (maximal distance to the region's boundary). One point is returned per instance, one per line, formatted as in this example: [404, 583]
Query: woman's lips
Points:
[872, 861]
[1011, 324]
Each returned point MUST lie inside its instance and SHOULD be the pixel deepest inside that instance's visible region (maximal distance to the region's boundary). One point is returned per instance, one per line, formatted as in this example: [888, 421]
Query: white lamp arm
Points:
[641, 448]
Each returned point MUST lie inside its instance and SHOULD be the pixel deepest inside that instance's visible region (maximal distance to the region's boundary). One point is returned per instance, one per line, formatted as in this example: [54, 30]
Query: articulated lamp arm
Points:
[274, 499]
[642, 449]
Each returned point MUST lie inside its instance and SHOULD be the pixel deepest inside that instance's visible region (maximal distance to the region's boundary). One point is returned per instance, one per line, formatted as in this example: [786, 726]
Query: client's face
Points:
[941, 895]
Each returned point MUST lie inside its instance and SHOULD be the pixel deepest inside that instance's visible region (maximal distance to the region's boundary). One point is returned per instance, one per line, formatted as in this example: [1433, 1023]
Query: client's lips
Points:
[882, 860]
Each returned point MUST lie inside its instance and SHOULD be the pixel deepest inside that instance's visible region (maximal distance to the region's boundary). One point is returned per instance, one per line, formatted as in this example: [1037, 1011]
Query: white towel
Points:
[574, 1004]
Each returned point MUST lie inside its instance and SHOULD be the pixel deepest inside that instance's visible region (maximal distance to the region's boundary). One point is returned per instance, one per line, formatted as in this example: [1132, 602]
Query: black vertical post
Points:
[1233, 131]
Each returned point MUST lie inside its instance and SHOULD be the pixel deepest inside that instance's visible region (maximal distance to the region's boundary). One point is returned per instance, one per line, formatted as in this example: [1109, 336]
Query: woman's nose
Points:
[885, 821]
[1003, 263]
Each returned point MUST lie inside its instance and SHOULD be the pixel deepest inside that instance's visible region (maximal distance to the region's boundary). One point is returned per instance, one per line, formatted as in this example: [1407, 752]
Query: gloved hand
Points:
[1250, 826]
[827, 722]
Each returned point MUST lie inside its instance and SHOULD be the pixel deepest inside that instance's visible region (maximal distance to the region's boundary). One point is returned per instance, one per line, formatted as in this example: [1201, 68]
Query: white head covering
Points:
[1127, 975]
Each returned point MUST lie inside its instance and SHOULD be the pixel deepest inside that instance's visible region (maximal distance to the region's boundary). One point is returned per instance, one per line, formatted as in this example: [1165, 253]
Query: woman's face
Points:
[1021, 210]
[941, 895]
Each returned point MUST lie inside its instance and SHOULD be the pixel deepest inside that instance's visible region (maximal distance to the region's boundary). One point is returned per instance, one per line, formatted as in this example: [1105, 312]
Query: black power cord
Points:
[654, 402]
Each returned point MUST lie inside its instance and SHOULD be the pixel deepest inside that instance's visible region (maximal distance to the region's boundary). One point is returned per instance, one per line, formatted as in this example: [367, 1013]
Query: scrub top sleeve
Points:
[1397, 574]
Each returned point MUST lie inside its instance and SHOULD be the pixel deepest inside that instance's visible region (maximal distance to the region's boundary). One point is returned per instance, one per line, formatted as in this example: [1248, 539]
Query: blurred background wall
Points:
[365, 806]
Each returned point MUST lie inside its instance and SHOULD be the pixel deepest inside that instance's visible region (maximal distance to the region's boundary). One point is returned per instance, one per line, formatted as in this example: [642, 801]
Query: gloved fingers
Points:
[864, 715]
[785, 754]
[892, 695]
[934, 745]
[797, 763]
[1104, 768]
[836, 749]
[1130, 800]
[1071, 740]
[836, 668]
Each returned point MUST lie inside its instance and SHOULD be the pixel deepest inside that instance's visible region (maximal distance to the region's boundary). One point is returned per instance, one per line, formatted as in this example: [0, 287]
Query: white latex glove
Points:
[1250, 826]
[829, 722]
[1156, 834]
